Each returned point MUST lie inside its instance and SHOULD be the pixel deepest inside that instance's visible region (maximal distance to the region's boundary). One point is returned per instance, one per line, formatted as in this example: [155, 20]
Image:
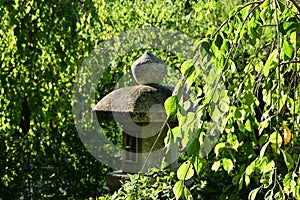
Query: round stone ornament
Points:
[149, 69]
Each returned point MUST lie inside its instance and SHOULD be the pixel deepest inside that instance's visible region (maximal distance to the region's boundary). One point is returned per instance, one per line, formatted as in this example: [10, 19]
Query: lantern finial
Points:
[149, 69]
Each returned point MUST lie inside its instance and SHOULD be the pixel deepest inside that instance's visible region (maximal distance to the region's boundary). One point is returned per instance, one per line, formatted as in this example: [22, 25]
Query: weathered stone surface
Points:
[142, 103]
[149, 69]
[114, 179]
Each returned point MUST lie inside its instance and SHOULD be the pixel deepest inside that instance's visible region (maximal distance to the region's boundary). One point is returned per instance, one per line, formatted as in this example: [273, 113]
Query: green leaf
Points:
[171, 105]
[176, 132]
[297, 192]
[225, 46]
[263, 139]
[216, 114]
[218, 147]
[178, 189]
[267, 179]
[241, 182]
[235, 179]
[218, 41]
[216, 165]
[185, 171]
[204, 43]
[269, 194]
[262, 151]
[258, 66]
[227, 164]
[169, 140]
[186, 68]
[240, 114]
[187, 194]
[248, 99]
[244, 12]
[287, 182]
[188, 120]
[263, 125]
[265, 4]
[248, 126]
[288, 160]
[199, 164]
[269, 167]
[186, 136]
[281, 5]
[253, 193]
[233, 141]
[263, 14]
[287, 49]
[194, 147]
[293, 37]
[210, 80]
[275, 137]
[250, 169]
[282, 101]
[251, 27]
[247, 180]
[223, 105]
[280, 194]
[272, 59]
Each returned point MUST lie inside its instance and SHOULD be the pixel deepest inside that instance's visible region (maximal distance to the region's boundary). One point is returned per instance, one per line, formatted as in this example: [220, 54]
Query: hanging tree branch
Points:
[296, 5]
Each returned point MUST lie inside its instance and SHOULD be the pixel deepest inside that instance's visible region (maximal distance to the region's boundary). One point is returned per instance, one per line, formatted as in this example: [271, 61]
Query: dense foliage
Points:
[251, 95]
[255, 53]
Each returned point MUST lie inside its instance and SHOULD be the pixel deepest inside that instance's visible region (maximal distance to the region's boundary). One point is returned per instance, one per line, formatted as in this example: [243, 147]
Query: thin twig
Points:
[278, 74]
[231, 49]
[229, 18]
[289, 62]
[156, 140]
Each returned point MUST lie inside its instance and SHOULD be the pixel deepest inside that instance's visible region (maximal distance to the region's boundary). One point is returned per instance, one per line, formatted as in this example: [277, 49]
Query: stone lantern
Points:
[140, 111]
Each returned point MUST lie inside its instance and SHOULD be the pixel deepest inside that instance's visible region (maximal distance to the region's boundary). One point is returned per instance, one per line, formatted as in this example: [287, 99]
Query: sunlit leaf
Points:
[253, 193]
[269, 167]
[171, 105]
[269, 194]
[275, 138]
[199, 164]
[288, 160]
[248, 126]
[218, 147]
[227, 164]
[250, 169]
[216, 165]
[187, 194]
[247, 180]
[262, 151]
[287, 49]
[187, 67]
[178, 189]
[185, 171]
[287, 183]
[272, 59]
[263, 125]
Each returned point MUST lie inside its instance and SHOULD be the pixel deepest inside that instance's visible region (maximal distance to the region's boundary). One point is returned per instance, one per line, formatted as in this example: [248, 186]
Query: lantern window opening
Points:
[130, 148]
